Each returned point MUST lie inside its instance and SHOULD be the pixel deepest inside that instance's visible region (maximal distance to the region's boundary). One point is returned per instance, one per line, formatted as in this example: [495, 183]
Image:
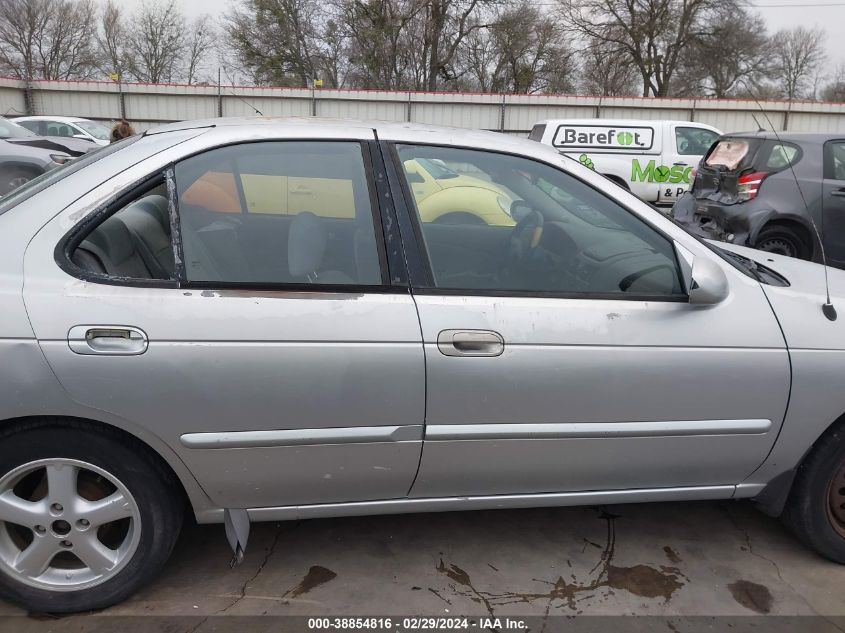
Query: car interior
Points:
[568, 237]
[316, 230]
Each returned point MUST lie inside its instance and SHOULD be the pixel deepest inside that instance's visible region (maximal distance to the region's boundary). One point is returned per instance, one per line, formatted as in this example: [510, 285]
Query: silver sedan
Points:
[270, 319]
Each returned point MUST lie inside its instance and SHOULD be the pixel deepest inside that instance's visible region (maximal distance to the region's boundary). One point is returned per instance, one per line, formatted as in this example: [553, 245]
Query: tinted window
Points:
[537, 132]
[507, 223]
[835, 161]
[777, 156]
[694, 141]
[280, 212]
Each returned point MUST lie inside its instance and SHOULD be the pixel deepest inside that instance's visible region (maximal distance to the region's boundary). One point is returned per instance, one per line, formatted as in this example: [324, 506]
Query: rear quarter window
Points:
[537, 132]
[776, 156]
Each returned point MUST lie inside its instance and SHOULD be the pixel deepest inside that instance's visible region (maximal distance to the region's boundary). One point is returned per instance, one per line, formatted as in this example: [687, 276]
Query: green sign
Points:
[625, 138]
[652, 172]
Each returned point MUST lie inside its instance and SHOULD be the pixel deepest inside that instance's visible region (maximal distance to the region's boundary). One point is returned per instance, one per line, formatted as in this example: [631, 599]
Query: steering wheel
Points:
[525, 236]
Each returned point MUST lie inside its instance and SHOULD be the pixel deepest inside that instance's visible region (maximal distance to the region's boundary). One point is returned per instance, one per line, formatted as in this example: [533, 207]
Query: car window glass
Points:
[506, 223]
[95, 129]
[836, 156]
[13, 130]
[278, 213]
[133, 242]
[694, 141]
[780, 156]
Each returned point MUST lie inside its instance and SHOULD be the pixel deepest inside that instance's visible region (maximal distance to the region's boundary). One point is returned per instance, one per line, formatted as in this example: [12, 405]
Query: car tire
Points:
[13, 178]
[109, 532]
[782, 240]
[815, 510]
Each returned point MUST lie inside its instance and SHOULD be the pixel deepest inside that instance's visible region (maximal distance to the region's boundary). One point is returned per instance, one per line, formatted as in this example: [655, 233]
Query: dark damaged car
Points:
[780, 193]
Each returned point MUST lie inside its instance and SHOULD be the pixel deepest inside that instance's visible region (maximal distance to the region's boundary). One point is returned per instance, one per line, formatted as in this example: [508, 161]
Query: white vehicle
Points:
[69, 126]
[653, 159]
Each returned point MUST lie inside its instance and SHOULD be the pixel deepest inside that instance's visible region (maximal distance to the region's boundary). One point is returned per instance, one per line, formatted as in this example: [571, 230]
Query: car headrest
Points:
[306, 244]
[156, 205]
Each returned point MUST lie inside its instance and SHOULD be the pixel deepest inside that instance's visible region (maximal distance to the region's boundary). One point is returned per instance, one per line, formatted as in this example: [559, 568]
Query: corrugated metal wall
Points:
[148, 105]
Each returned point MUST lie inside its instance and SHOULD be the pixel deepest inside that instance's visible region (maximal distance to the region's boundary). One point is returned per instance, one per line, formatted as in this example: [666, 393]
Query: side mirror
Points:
[704, 280]
[709, 283]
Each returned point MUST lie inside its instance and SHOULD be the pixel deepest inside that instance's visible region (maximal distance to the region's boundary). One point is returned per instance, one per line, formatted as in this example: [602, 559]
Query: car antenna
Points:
[239, 98]
[827, 308]
[760, 128]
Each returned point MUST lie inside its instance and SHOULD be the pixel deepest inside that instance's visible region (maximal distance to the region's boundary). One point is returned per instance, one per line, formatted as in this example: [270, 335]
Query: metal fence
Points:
[147, 105]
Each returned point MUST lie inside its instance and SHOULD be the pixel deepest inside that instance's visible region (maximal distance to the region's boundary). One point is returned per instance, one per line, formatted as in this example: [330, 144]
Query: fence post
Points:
[29, 99]
[692, 111]
[313, 99]
[502, 114]
[408, 113]
[121, 99]
[219, 95]
[786, 116]
[598, 107]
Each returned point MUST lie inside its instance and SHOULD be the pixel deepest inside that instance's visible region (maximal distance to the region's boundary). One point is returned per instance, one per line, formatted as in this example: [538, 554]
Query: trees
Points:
[799, 55]
[734, 50]
[652, 34]
[48, 39]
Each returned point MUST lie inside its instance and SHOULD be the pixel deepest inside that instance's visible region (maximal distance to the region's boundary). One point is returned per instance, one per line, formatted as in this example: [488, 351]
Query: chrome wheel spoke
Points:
[93, 553]
[35, 559]
[19, 511]
[112, 508]
[61, 483]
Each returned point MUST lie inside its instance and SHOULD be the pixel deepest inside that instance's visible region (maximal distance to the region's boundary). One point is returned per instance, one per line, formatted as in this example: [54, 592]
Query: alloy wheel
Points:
[65, 524]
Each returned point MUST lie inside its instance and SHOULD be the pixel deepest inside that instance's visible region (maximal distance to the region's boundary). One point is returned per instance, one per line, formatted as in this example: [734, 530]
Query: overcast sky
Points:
[779, 14]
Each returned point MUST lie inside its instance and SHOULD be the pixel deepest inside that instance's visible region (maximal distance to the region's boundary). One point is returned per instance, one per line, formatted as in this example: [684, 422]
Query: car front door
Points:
[269, 349]
[833, 200]
[562, 353]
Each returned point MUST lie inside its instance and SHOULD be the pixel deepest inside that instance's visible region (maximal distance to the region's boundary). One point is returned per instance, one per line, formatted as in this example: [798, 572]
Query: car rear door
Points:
[563, 356]
[278, 354]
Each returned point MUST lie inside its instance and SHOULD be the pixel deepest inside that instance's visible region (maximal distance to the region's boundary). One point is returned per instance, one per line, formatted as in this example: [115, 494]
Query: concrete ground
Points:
[668, 560]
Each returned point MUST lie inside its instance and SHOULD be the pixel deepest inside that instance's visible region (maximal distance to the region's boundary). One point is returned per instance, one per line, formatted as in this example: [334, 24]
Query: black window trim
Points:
[430, 288]
[73, 238]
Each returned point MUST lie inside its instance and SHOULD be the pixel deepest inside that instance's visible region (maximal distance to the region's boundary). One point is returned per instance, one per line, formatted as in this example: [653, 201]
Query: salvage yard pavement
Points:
[720, 560]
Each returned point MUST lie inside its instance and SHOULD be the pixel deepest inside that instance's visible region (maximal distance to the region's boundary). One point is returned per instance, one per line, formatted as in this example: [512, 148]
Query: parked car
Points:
[158, 355]
[67, 127]
[69, 145]
[23, 156]
[781, 193]
[652, 159]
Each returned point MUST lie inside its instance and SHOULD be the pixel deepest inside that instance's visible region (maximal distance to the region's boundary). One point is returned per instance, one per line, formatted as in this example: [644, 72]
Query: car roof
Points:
[385, 130]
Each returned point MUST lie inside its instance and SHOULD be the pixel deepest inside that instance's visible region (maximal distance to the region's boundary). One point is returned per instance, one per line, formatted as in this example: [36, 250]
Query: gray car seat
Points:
[148, 221]
[111, 249]
[306, 249]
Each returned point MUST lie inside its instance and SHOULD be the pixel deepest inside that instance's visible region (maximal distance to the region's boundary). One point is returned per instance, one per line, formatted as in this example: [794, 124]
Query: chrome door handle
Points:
[107, 340]
[470, 343]
[839, 193]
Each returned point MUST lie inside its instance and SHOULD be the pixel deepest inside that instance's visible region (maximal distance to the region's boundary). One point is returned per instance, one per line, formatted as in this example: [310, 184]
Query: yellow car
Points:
[444, 195]
[441, 194]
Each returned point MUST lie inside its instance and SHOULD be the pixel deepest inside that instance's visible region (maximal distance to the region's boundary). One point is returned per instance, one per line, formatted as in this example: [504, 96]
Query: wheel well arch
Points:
[11, 426]
[805, 232]
[773, 498]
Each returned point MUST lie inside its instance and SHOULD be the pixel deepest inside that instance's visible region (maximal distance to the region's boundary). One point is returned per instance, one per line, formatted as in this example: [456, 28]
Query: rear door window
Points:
[834, 161]
[288, 212]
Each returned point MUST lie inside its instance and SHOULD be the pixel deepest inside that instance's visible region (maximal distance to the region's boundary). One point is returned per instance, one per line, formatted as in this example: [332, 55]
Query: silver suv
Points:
[250, 320]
